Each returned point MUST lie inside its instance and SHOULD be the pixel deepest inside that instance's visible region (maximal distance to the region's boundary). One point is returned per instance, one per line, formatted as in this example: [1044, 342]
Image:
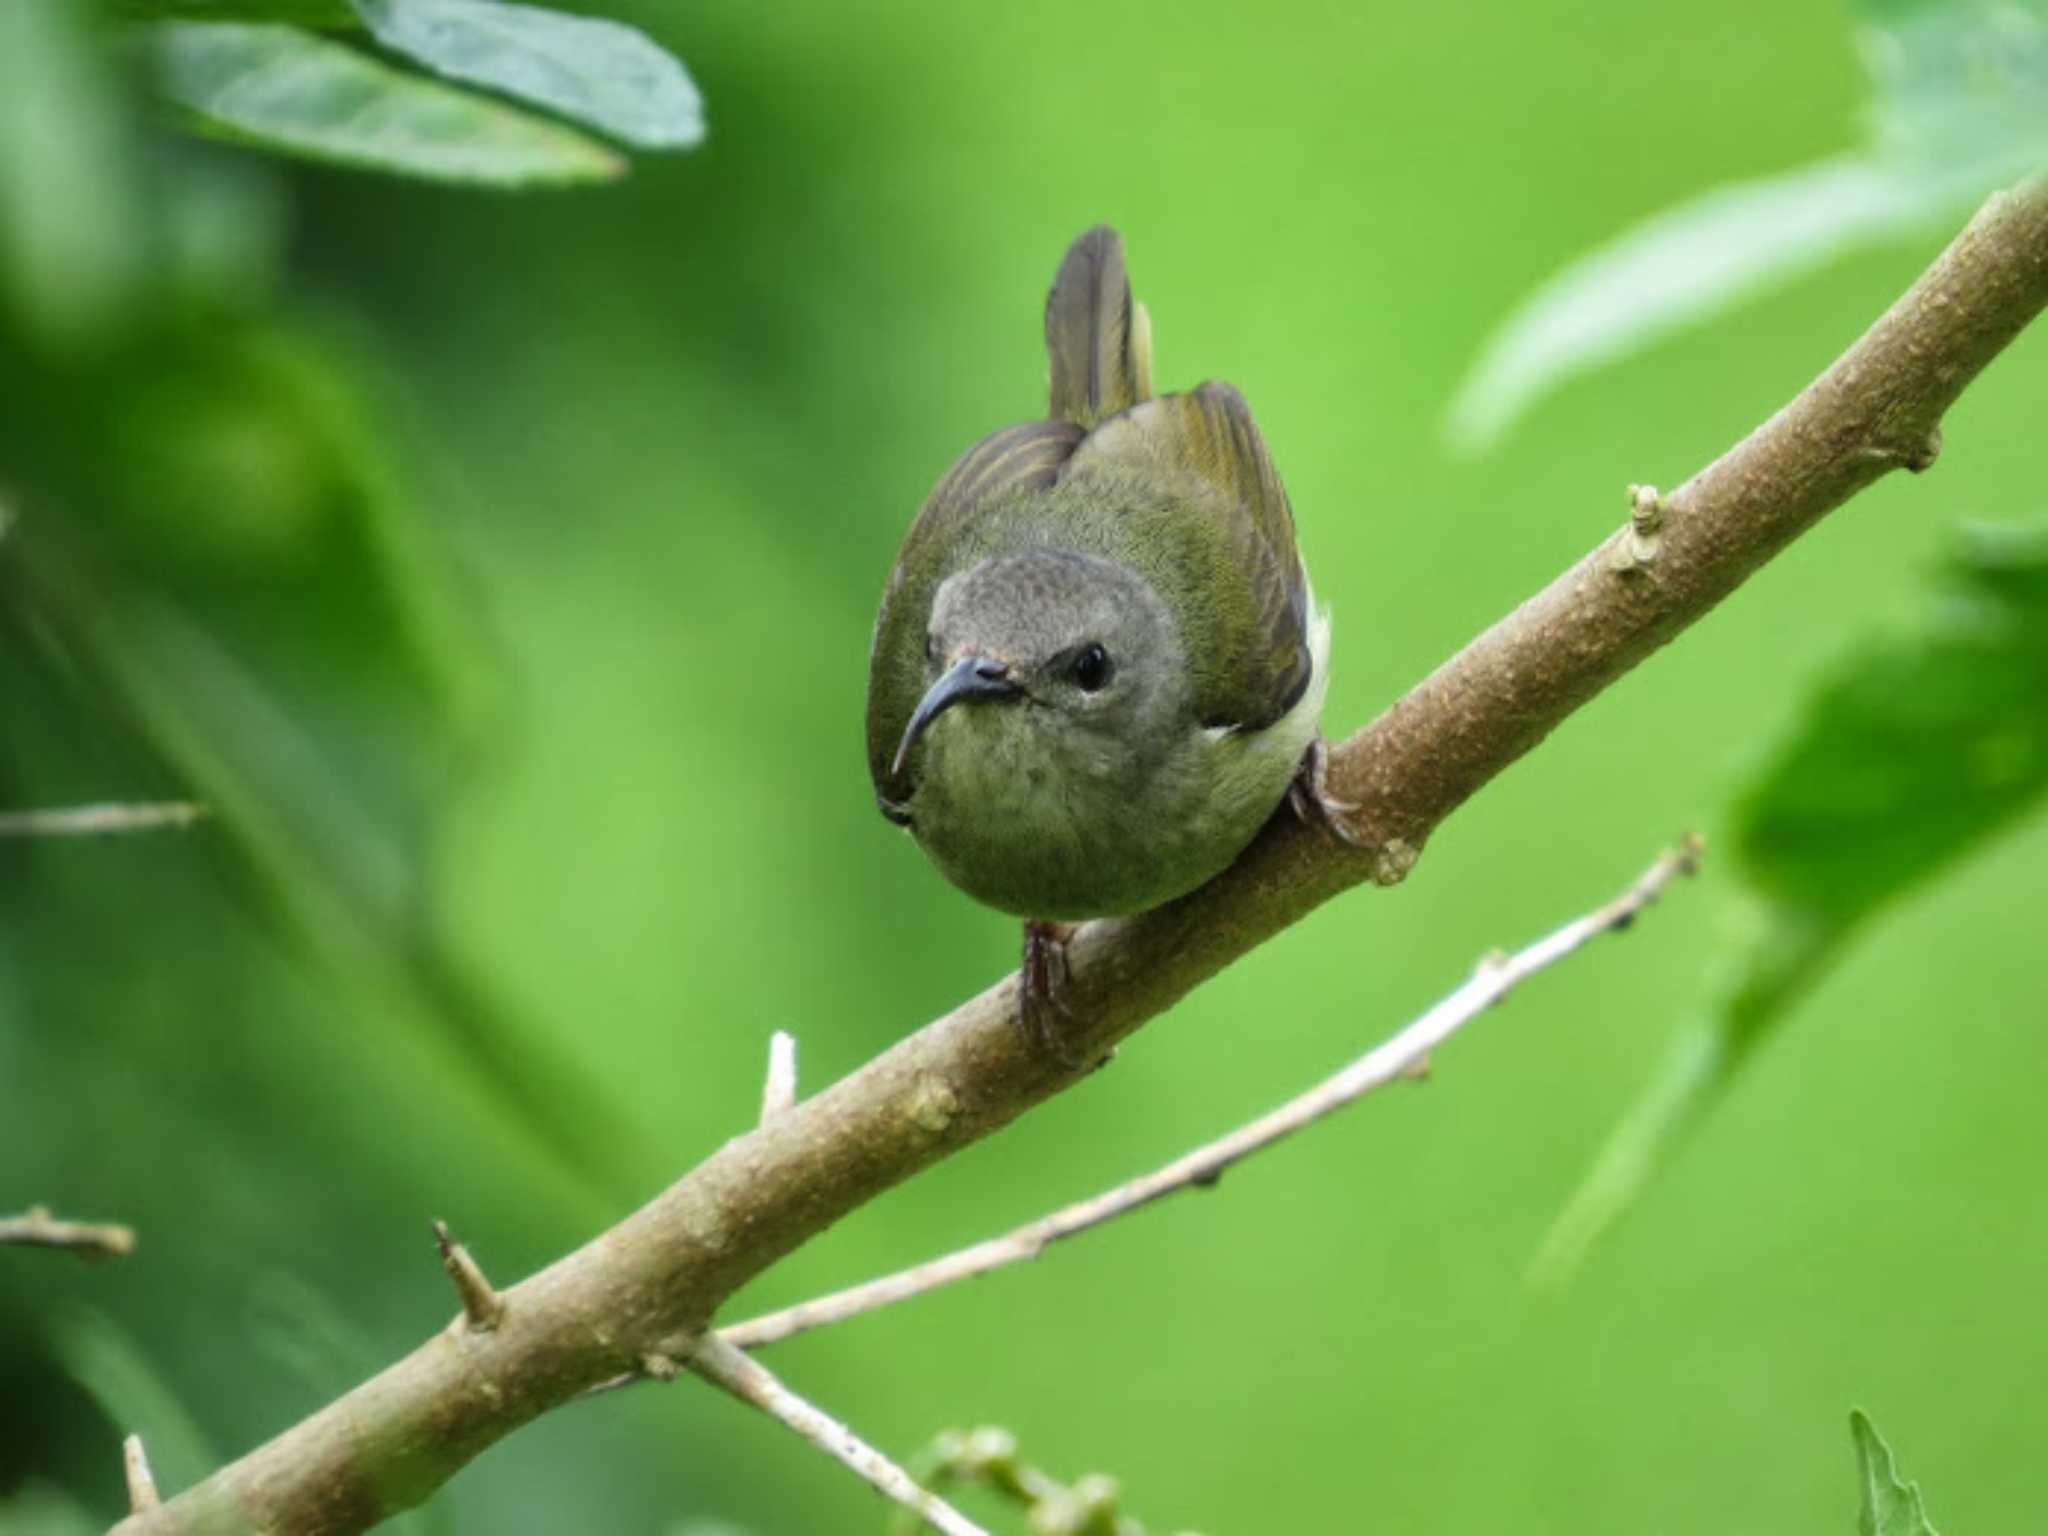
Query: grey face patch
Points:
[1040, 612]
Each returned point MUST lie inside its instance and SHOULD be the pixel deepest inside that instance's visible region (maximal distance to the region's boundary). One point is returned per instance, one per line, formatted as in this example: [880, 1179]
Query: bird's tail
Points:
[1098, 340]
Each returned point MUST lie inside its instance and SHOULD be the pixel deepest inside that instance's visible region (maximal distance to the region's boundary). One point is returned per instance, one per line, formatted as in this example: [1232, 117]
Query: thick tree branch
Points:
[650, 1285]
[1403, 1054]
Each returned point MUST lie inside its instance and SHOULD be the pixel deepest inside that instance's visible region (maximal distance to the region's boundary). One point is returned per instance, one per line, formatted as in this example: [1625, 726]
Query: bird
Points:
[1098, 667]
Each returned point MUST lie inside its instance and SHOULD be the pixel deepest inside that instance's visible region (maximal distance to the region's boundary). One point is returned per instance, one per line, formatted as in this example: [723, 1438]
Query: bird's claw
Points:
[1042, 975]
[1313, 805]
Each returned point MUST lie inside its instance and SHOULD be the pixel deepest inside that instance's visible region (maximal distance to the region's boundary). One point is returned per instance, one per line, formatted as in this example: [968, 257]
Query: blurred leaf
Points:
[223, 224]
[1915, 749]
[989, 1456]
[303, 1330]
[104, 1359]
[255, 598]
[70, 252]
[1890, 1507]
[598, 72]
[297, 1326]
[1768, 960]
[1908, 754]
[303, 94]
[41, 1510]
[1959, 106]
[304, 13]
[1957, 84]
[1682, 265]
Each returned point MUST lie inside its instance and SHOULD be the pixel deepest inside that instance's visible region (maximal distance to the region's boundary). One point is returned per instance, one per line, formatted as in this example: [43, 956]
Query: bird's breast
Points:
[1067, 824]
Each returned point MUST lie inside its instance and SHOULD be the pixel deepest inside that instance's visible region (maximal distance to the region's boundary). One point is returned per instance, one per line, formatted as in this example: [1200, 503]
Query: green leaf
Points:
[1915, 748]
[598, 72]
[252, 593]
[39, 1509]
[1918, 747]
[332, 14]
[303, 1330]
[1890, 1507]
[1770, 959]
[1959, 106]
[70, 250]
[307, 95]
[1679, 267]
[105, 1359]
[1957, 83]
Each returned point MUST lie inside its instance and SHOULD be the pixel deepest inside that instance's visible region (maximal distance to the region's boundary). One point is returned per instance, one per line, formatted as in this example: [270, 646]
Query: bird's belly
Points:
[1047, 840]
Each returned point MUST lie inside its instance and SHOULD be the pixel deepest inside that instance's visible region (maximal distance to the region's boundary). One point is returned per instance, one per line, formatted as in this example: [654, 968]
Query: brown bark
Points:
[638, 1296]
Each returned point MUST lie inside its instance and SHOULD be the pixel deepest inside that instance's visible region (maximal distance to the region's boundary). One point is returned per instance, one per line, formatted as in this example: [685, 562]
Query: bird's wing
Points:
[1098, 342]
[1247, 601]
[948, 534]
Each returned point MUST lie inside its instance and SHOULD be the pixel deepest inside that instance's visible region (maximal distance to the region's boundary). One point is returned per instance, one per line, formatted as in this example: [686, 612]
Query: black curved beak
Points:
[971, 677]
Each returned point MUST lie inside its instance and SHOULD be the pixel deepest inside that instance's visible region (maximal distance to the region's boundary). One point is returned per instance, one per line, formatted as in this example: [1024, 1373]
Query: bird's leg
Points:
[1043, 973]
[1310, 796]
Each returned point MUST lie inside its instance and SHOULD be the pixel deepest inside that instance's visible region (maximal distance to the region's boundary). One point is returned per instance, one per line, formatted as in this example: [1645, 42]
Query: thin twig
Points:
[751, 1382]
[1397, 1057]
[36, 1227]
[142, 1494]
[778, 1093]
[482, 1307]
[664, 1270]
[1087, 1506]
[93, 820]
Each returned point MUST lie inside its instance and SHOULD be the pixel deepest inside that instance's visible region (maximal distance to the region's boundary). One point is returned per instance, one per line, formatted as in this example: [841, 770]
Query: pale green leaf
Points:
[1959, 106]
[599, 72]
[71, 251]
[1956, 82]
[41, 1509]
[1890, 1507]
[309, 95]
[336, 14]
[1769, 959]
[1680, 266]
[110, 1364]
[305, 1332]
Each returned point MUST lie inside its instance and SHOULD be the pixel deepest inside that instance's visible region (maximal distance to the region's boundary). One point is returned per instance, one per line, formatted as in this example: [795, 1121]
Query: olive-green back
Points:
[1180, 487]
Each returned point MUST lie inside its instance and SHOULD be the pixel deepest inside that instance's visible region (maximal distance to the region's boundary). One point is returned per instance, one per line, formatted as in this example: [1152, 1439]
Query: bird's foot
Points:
[1043, 974]
[1313, 804]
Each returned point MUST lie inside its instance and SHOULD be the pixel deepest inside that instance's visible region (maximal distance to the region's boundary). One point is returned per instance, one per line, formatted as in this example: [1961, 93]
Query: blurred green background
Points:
[501, 571]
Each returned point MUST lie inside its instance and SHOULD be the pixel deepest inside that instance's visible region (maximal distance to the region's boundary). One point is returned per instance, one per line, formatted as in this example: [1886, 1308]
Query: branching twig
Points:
[36, 1227]
[778, 1091]
[92, 820]
[661, 1273]
[482, 1307]
[752, 1382]
[142, 1494]
[1397, 1057]
[1086, 1507]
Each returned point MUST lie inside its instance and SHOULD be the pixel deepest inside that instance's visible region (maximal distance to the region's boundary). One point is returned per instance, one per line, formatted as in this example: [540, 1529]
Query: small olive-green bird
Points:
[1098, 666]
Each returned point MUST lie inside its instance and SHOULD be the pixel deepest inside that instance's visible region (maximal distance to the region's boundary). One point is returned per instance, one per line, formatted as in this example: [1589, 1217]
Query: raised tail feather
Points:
[1099, 341]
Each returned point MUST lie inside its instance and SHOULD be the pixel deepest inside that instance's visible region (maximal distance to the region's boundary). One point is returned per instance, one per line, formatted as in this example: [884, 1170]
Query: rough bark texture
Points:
[635, 1297]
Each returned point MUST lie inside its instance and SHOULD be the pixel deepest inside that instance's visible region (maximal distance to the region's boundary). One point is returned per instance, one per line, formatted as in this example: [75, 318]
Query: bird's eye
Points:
[1091, 669]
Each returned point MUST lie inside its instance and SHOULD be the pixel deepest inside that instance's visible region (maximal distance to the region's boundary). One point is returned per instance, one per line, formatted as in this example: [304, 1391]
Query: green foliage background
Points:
[502, 570]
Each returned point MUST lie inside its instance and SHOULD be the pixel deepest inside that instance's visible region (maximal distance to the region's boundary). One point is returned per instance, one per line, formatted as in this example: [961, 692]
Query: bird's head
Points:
[1073, 646]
